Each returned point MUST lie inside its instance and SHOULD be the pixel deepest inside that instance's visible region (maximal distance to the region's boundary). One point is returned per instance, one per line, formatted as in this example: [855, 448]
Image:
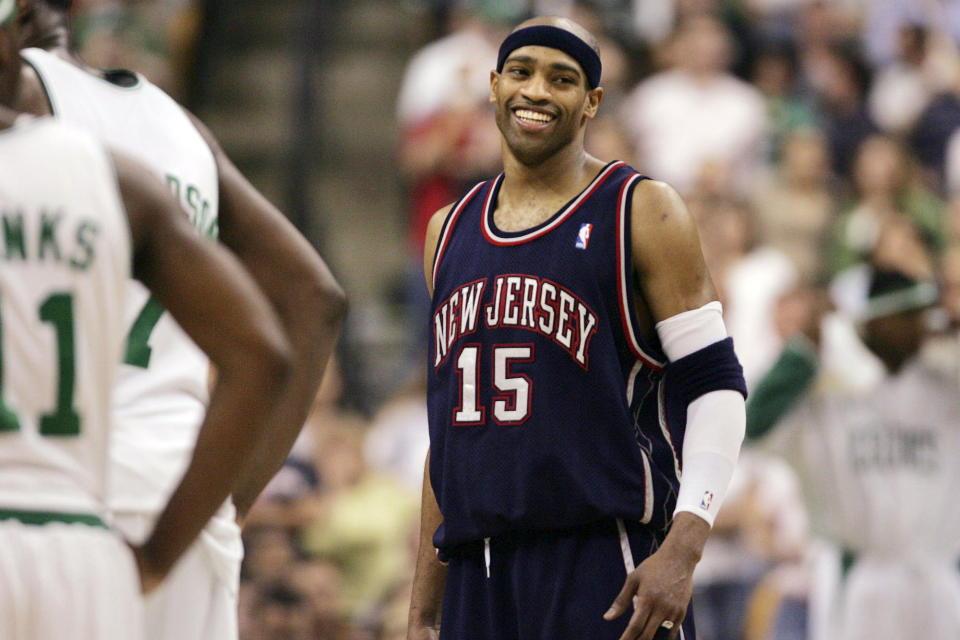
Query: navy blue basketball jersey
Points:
[547, 409]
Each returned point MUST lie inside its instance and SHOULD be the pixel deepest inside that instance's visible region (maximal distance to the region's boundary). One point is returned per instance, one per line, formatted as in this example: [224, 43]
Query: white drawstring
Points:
[486, 554]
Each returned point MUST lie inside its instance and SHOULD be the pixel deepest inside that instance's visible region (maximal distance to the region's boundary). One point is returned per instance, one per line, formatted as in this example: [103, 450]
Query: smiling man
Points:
[579, 361]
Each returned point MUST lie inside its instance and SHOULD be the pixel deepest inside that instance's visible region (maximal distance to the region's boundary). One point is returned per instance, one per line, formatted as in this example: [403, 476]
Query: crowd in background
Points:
[806, 137]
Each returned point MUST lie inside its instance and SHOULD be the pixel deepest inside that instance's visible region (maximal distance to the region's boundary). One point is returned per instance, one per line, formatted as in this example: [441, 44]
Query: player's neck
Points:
[530, 195]
[569, 169]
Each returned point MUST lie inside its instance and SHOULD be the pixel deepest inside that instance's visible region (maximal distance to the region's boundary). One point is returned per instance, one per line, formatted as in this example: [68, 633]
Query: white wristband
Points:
[716, 424]
[690, 331]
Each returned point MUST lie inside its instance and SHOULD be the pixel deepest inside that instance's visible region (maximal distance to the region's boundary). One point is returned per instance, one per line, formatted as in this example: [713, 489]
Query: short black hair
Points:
[884, 281]
[58, 5]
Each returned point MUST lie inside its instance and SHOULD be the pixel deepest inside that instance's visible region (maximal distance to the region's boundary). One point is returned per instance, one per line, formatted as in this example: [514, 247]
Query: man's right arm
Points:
[222, 310]
[430, 576]
[302, 291]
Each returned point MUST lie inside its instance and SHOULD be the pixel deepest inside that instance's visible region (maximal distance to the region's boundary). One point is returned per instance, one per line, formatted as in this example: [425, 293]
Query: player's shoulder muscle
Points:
[662, 225]
[666, 251]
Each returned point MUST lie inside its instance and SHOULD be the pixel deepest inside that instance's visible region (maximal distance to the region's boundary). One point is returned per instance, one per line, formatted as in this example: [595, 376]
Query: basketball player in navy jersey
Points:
[578, 364]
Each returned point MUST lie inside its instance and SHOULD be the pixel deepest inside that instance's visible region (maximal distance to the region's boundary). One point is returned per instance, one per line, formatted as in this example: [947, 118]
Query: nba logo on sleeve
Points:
[583, 237]
[706, 500]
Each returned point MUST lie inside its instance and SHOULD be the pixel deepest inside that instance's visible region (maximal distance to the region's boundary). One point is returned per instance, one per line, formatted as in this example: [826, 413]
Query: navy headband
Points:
[555, 38]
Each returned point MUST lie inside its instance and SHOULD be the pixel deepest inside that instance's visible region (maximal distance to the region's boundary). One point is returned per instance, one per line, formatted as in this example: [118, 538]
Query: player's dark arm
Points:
[676, 288]
[431, 575]
[304, 294]
[31, 97]
[222, 310]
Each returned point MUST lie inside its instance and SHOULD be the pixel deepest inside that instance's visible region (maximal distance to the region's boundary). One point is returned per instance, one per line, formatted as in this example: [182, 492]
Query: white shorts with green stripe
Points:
[70, 579]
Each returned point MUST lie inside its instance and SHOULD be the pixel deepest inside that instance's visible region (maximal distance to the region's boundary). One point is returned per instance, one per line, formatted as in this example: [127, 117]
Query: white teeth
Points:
[532, 116]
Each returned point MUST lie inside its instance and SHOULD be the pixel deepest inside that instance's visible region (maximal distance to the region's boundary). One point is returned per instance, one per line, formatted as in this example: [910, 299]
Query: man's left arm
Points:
[304, 294]
[704, 371]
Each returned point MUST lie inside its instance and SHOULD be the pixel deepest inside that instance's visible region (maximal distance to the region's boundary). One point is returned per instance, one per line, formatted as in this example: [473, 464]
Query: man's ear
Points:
[494, 80]
[594, 98]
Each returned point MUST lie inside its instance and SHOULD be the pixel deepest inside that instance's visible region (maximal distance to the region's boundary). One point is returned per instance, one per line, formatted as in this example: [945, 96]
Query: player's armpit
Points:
[222, 310]
[432, 239]
[307, 298]
[666, 251]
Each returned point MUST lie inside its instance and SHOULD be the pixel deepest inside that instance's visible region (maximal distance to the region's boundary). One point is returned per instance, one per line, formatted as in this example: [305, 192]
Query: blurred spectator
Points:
[874, 458]
[398, 439]
[884, 19]
[930, 136]
[842, 105]
[292, 496]
[270, 553]
[613, 57]
[362, 524]
[795, 206]
[903, 88]
[696, 113]
[887, 188]
[155, 38]
[775, 75]
[281, 612]
[749, 279]
[607, 139]
[318, 581]
[761, 525]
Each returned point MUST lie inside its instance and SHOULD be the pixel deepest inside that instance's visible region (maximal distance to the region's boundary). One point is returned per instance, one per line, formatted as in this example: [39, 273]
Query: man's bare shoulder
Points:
[31, 98]
[434, 227]
[657, 204]
[431, 240]
[439, 217]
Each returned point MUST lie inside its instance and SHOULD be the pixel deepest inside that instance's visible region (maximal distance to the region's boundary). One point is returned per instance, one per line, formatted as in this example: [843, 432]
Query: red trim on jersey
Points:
[448, 227]
[622, 280]
[557, 220]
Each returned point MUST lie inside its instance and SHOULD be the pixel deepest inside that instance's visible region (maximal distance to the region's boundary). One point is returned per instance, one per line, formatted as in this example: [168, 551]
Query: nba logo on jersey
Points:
[583, 236]
[706, 500]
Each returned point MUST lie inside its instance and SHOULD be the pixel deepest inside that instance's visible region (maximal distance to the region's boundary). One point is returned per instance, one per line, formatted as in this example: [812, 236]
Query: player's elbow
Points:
[269, 357]
[321, 310]
[331, 301]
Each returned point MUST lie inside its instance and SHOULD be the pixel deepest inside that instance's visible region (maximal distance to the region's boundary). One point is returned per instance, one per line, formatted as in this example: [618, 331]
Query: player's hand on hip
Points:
[149, 578]
[659, 591]
[423, 633]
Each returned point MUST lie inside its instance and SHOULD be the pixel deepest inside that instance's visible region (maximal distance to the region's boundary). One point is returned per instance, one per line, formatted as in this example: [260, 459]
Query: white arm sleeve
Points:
[716, 421]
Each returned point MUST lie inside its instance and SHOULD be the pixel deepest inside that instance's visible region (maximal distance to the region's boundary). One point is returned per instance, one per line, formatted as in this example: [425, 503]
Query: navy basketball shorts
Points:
[545, 585]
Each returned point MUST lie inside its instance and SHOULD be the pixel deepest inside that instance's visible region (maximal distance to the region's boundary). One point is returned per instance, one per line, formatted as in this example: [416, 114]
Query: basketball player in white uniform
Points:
[74, 218]
[161, 390]
[877, 460]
